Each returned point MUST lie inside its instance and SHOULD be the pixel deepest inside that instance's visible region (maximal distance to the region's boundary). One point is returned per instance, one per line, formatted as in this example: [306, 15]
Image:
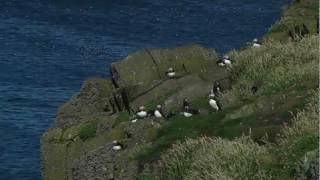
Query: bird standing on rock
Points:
[142, 113]
[117, 146]
[171, 73]
[158, 112]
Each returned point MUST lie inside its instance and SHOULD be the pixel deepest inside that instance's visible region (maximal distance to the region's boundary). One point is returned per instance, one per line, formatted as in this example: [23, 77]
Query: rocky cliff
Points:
[78, 146]
[107, 105]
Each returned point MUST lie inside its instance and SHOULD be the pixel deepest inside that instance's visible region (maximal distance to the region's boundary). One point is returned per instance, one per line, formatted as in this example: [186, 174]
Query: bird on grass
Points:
[214, 103]
[256, 43]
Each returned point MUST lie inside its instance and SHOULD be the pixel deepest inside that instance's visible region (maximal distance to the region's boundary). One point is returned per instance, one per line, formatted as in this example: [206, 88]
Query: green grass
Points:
[276, 67]
[122, 117]
[88, 130]
[240, 158]
[180, 128]
[302, 145]
[280, 68]
[215, 158]
[295, 15]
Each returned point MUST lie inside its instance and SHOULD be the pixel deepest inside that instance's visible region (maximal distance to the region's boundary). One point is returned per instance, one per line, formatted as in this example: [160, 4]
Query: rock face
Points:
[92, 99]
[105, 104]
[144, 70]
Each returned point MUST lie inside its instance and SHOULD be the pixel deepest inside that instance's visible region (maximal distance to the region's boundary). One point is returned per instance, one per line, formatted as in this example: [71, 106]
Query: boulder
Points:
[145, 69]
[92, 99]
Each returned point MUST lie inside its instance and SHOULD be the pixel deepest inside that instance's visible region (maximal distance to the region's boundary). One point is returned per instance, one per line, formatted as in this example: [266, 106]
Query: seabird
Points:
[220, 62]
[227, 61]
[117, 146]
[141, 112]
[256, 43]
[188, 111]
[171, 73]
[158, 112]
[214, 103]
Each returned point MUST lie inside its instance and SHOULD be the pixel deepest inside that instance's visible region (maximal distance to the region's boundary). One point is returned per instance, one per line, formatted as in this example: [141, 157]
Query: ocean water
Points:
[49, 47]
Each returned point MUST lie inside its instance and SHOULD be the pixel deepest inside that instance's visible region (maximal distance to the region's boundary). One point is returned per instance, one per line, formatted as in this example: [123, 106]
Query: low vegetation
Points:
[269, 134]
[275, 67]
[208, 158]
[273, 83]
[299, 17]
[88, 130]
[281, 143]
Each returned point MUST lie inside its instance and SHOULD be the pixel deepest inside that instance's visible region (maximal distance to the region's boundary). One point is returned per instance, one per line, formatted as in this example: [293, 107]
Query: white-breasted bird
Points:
[171, 73]
[220, 62]
[256, 43]
[188, 111]
[117, 146]
[142, 113]
[213, 103]
[227, 61]
[158, 112]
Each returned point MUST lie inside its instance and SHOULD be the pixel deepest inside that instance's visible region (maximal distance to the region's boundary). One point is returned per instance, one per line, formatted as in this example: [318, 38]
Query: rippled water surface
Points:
[48, 48]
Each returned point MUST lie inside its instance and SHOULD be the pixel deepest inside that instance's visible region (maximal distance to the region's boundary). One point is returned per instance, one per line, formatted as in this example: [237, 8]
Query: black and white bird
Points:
[117, 146]
[141, 113]
[213, 102]
[220, 62]
[158, 112]
[227, 61]
[188, 111]
[256, 43]
[171, 73]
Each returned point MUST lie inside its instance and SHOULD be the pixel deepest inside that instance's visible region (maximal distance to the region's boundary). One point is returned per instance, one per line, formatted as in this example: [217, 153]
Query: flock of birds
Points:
[188, 110]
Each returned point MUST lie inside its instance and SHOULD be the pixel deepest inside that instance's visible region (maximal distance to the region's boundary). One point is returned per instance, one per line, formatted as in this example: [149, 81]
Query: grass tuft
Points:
[88, 130]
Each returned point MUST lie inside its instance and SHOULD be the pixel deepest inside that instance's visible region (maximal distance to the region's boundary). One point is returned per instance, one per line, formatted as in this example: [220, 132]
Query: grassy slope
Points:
[296, 14]
[286, 74]
[249, 111]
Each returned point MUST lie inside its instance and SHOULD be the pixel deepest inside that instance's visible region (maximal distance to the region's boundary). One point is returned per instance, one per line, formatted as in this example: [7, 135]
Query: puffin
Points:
[141, 113]
[213, 102]
[188, 111]
[117, 146]
[256, 43]
[171, 73]
[227, 61]
[158, 112]
[220, 62]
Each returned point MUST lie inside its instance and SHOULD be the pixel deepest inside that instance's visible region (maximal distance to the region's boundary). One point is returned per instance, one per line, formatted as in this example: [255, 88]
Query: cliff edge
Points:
[283, 73]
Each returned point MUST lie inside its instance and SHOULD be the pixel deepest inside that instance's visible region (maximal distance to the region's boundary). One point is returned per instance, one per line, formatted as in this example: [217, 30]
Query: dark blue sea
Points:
[49, 47]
